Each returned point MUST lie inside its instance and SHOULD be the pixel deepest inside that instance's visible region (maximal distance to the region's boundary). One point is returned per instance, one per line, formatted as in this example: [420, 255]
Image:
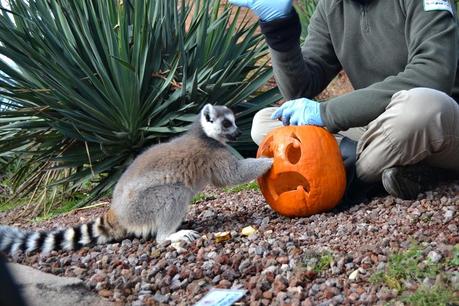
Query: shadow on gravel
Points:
[367, 193]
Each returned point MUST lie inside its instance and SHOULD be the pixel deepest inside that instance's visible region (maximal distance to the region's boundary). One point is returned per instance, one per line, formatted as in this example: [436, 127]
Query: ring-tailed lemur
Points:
[153, 194]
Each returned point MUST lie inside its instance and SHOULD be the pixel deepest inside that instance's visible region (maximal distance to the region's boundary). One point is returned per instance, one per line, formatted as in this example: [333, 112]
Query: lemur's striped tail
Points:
[99, 231]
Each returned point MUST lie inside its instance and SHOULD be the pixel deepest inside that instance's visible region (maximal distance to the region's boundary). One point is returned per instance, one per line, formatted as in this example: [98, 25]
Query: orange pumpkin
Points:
[307, 176]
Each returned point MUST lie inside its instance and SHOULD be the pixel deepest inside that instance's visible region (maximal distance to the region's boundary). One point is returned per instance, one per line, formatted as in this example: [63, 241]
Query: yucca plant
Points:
[91, 83]
[305, 9]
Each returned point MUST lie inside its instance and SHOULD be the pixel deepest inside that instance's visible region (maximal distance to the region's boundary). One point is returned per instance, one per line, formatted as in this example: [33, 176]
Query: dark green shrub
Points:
[95, 82]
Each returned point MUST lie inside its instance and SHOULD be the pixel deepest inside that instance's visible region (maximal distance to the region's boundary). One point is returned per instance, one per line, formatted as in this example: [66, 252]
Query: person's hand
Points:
[299, 112]
[266, 10]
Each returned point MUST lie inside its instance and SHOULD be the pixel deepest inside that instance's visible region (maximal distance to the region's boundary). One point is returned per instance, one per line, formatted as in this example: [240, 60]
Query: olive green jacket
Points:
[384, 46]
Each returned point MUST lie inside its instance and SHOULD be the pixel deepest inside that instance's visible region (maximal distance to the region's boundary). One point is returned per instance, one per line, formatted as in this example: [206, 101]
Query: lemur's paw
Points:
[267, 163]
[183, 235]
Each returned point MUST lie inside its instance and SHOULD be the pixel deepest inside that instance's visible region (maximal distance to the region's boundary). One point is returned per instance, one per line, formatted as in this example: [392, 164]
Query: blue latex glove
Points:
[299, 112]
[266, 10]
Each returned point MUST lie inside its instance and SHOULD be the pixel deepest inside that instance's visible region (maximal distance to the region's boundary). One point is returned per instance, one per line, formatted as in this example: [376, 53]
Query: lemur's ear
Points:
[208, 112]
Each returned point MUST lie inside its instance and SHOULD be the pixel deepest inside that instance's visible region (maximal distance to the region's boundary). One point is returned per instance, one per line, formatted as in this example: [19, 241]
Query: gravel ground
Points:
[325, 259]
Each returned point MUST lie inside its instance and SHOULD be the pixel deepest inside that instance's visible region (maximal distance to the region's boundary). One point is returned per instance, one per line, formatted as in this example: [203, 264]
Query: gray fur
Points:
[155, 191]
[153, 194]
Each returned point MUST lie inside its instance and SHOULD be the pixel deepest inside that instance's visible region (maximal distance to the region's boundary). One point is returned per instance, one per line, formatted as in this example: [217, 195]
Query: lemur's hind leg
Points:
[171, 202]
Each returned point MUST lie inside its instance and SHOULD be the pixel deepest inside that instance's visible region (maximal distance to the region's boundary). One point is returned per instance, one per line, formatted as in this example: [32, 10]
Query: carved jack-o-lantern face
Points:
[307, 176]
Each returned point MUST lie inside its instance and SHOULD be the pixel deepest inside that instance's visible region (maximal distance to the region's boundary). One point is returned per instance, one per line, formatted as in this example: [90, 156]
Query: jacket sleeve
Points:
[431, 38]
[301, 72]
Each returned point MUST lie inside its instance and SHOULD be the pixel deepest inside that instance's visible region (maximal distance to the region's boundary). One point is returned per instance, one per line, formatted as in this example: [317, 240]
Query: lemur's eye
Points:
[226, 123]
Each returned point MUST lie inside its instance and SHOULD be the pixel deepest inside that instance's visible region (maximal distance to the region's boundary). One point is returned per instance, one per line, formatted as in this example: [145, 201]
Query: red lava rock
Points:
[224, 284]
[374, 258]
[295, 301]
[255, 294]
[270, 262]
[265, 302]
[105, 293]
[250, 270]
[162, 263]
[222, 259]
[193, 288]
[330, 292]
[295, 251]
[229, 274]
[171, 271]
[165, 289]
[359, 290]
[197, 273]
[216, 269]
[299, 278]
[97, 278]
[270, 276]
[184, 273]
[268, 295]
[126, 272]
[280, 284]
[78, 271]
[201, 255]
[353, 297]
[264, 284]
[258, 267]
[282, 260]
[236, 261]
[310, 274]
[149, 301]
[165, 281]
[307, 302]
[252, 282]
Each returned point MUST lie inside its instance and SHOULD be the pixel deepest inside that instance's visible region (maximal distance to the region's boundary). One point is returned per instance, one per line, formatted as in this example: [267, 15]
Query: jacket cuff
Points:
[282, 34]
[328, 123]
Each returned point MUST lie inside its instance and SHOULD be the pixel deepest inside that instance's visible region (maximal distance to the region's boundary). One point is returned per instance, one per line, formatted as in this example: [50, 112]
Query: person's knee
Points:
[257, 136]
[404, 132]
[414, 110]
[262, 124]
[367, 171]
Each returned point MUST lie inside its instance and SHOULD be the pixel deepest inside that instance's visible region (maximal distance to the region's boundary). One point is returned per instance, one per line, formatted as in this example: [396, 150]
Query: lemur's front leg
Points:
[242, 171]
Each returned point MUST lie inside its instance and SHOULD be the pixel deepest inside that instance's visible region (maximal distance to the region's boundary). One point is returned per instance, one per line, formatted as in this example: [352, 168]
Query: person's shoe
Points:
[408, 181]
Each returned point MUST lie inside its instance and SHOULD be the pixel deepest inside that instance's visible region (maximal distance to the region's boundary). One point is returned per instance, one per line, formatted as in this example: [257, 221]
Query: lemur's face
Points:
[218, 122]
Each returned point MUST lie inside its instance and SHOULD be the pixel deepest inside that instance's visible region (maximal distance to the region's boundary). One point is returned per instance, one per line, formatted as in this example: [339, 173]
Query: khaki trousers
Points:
[420, 125]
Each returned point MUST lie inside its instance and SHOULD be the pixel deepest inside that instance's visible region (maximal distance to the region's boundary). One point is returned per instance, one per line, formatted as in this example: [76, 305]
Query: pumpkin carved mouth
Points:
[289, 181]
